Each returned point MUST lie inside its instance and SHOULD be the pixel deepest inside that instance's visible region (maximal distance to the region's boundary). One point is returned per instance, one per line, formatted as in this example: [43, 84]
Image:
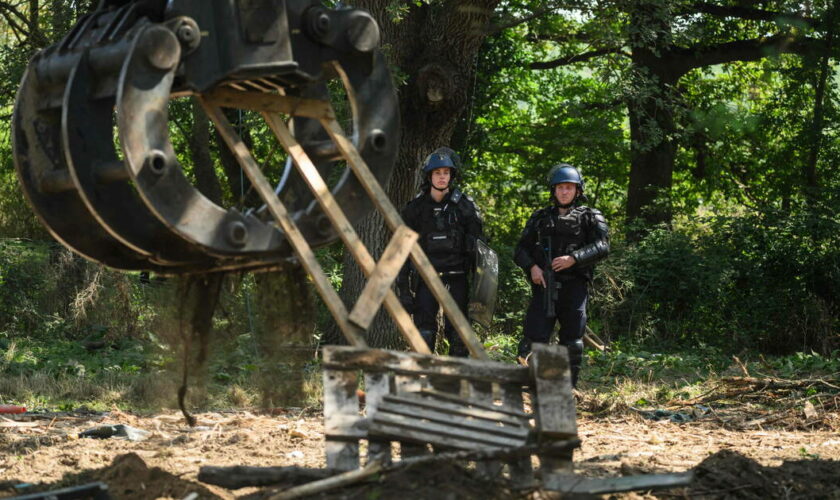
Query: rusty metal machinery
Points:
[91, 128]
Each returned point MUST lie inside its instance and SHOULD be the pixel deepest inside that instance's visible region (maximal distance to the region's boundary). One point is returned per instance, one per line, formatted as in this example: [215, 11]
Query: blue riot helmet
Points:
[442, 158]
[565, 173]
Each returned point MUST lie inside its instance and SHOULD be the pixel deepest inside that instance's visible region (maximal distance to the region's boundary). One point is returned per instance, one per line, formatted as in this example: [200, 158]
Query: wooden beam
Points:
[602, 486]
[418, 256]
[345, 230]
[520, 468]
[341, 408]
[227, 97]
[379, 282]
[555, 404]
[377, 386]
[411, 364]
[351, 332]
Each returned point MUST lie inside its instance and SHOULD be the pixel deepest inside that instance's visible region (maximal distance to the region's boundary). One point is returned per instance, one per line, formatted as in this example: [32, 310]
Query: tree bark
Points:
[435, 46]
[652, 124]
[199, 141]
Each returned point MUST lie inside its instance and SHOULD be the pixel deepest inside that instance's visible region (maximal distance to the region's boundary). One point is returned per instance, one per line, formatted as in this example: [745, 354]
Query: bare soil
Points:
[728, 462]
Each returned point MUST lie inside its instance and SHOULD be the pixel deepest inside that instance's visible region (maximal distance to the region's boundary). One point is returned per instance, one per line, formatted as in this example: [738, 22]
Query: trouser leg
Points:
[537, 326]
[425, 314]
[457, 286]
[571, 313]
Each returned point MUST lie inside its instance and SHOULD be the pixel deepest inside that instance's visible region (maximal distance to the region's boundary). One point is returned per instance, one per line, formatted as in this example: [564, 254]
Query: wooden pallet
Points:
[431, 404]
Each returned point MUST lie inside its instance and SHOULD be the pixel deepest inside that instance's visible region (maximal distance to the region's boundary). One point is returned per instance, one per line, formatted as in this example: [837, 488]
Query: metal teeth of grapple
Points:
[131, 206]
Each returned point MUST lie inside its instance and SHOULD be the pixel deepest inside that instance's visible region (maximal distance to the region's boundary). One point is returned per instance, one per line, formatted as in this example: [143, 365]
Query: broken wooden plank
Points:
[377, 386]
[408, 428]
[405, 363]
[520, 468]
[338, 481]
[380, 280]
[601, 486]
[341, 407]
[482, 392]
[554, 404]
[408, 384]
[554, 407]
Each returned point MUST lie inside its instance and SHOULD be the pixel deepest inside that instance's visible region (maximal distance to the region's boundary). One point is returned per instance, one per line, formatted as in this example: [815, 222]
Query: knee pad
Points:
[575, 352]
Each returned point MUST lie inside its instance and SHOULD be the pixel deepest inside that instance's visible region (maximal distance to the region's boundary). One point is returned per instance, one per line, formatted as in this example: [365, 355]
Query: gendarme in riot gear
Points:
[449, 226]
[557, 250]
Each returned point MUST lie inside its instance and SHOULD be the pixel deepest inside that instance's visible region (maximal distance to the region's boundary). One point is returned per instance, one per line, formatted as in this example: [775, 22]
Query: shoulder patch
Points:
[456, 196]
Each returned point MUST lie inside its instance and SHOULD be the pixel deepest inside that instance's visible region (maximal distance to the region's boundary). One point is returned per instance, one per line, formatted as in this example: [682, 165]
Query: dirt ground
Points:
[46, 453]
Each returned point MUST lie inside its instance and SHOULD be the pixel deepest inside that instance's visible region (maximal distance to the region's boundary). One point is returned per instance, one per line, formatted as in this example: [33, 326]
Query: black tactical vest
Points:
[568, 234]
[561, 235]
[440, 231]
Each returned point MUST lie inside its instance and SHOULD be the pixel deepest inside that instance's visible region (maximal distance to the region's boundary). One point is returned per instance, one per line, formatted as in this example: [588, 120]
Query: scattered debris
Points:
[679, 417]
[117, 431]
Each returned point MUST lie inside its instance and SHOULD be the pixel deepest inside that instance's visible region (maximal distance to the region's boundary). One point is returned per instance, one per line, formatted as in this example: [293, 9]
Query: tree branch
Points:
[743, 50]
[11, 9]
[752, 14]
[7, 11]
[576, 58]
[510, 23]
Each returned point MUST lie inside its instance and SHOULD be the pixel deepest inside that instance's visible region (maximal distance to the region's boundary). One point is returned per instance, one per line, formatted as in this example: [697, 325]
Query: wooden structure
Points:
[403, 244]
[432, 404]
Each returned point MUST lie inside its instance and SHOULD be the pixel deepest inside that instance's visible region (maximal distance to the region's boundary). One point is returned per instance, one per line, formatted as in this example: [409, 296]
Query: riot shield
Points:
[485, 285]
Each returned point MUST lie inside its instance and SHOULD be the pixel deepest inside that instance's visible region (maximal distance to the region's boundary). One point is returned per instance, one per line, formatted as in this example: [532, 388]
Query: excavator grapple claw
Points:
[92, 131]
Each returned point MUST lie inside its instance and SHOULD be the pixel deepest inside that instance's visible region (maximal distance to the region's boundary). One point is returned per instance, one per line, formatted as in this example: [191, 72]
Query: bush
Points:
[769, 282]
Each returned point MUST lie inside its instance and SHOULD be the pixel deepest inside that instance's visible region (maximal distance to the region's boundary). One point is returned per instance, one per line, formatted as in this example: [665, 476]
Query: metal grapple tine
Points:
[102, 179]
[142, 118]
[46, 182]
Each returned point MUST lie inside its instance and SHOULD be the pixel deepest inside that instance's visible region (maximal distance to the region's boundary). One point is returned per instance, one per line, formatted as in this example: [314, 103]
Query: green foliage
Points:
[767, 282]
[654, 361]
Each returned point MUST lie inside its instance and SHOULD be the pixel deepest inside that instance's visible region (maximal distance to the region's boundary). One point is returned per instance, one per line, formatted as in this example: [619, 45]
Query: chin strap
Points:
[440, 189]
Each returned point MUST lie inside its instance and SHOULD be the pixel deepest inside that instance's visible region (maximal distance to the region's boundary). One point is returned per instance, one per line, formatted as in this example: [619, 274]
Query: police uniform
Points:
[582, 233]
[448, 232]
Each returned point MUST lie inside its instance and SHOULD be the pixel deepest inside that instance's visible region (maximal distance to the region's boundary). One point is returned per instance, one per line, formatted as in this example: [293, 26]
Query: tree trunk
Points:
[652, 156]
[435, 46]
[652, 123]
[285, 323]
[205, 174]
[240, 186]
